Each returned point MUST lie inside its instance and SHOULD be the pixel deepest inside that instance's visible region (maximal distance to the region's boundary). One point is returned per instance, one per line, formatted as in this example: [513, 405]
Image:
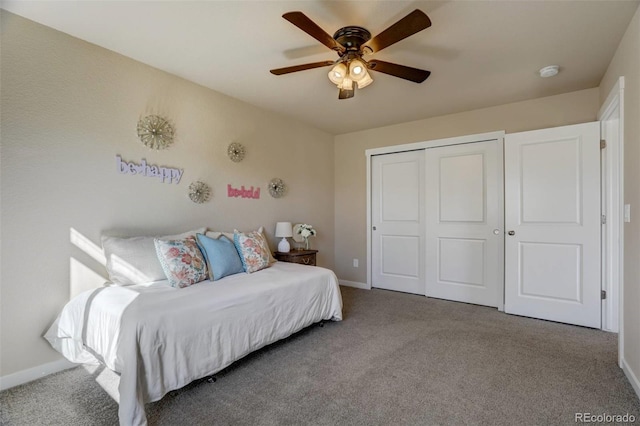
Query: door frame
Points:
[369, 153]
[612, 109]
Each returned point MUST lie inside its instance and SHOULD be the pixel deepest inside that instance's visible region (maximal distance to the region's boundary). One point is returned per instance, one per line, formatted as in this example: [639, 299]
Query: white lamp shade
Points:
[284, 229]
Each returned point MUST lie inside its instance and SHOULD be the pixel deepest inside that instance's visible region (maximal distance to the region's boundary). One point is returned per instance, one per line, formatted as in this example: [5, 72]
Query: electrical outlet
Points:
[355, 263]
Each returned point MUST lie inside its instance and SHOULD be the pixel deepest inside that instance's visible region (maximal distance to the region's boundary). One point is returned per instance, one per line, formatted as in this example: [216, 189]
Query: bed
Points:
[159, 338]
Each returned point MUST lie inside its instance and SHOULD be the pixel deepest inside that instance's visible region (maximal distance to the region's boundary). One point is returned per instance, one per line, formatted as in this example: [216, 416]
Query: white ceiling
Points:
[480, 53]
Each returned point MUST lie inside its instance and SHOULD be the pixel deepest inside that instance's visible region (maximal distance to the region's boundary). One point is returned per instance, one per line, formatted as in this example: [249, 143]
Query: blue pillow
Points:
[221, 256]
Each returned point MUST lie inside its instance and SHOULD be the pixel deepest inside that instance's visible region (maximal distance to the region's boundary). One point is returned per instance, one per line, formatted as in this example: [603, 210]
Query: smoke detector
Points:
[549, 71]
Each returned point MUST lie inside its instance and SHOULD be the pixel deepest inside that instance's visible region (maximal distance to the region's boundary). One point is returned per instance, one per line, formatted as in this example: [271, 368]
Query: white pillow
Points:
[229, 235]
[134, 260]
[216, 234]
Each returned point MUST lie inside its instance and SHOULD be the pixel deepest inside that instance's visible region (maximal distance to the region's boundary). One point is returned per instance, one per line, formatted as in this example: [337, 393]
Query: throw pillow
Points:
[134, 260]
[221, 256]
[260, 230]
[253, 250]
[181, 261]
[271, 258]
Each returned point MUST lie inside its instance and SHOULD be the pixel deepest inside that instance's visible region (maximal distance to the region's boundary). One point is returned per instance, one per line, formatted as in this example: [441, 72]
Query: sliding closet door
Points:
[397, 219]
[464, 223]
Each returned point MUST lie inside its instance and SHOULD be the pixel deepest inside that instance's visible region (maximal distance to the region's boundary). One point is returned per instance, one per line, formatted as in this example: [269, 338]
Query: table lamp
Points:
[284, 230]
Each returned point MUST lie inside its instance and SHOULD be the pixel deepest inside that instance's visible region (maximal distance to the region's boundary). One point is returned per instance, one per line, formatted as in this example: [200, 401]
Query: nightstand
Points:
[304, 257]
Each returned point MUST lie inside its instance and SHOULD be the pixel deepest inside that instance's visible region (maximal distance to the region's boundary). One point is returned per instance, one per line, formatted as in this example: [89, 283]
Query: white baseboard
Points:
[631, 376]
[30, 374]
[354, 284]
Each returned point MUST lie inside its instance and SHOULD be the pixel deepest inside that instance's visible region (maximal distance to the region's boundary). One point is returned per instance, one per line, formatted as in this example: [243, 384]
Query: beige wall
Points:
[626, 62]
[68, 107]
[350, 164]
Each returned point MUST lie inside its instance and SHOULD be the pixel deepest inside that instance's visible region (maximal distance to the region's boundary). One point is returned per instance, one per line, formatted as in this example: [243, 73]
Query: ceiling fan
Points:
[352, 43]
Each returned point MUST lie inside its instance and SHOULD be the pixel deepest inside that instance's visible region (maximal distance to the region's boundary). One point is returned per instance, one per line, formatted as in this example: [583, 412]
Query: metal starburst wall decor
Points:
[155, 132]
[199, 192]
[236, 152]
[277, 187]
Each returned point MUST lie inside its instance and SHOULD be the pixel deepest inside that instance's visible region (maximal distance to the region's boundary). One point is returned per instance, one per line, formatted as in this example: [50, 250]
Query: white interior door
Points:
[552, 191]
[397, 200]
[464, 223]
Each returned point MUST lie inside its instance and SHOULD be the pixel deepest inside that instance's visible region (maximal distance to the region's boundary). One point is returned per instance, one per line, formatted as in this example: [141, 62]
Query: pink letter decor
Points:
[242, 192]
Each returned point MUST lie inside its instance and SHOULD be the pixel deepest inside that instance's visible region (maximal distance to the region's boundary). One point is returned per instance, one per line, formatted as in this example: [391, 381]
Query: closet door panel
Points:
[464, 223]
[398, 222]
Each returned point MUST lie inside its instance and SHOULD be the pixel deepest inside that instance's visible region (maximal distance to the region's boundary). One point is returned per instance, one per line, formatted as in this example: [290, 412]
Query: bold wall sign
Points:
[242, 192]
[165, 174]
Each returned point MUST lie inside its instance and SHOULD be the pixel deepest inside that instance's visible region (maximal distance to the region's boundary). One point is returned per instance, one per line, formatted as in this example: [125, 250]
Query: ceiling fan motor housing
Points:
[352, 37]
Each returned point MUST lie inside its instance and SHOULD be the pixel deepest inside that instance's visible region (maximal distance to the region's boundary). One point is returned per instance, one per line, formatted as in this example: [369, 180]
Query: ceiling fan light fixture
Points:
[357, 70]
[338, 73]
[364, 81]
[347, 84]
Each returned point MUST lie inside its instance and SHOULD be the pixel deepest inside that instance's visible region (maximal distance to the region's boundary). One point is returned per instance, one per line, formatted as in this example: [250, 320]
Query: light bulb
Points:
[356, 70]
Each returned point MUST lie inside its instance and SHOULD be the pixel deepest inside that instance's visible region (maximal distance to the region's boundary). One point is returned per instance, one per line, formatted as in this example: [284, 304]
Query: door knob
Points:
[511, 232]
[374, 228]
[496, 231]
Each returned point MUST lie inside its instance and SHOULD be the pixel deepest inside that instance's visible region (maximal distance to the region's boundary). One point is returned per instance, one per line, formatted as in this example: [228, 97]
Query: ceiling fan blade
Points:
[296, 68]
[412, 74]
[412, 23]
[301, 21]
[345, 93]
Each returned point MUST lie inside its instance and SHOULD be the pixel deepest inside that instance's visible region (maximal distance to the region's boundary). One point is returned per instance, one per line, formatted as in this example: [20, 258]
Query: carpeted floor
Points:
[395, 359]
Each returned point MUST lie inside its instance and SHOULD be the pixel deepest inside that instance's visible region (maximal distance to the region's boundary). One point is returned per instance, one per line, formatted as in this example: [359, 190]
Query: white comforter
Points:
[160, 338]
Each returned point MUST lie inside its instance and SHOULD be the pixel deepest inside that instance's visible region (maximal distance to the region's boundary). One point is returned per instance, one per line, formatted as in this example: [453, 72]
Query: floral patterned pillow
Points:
[181, 261]
[253, 250]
